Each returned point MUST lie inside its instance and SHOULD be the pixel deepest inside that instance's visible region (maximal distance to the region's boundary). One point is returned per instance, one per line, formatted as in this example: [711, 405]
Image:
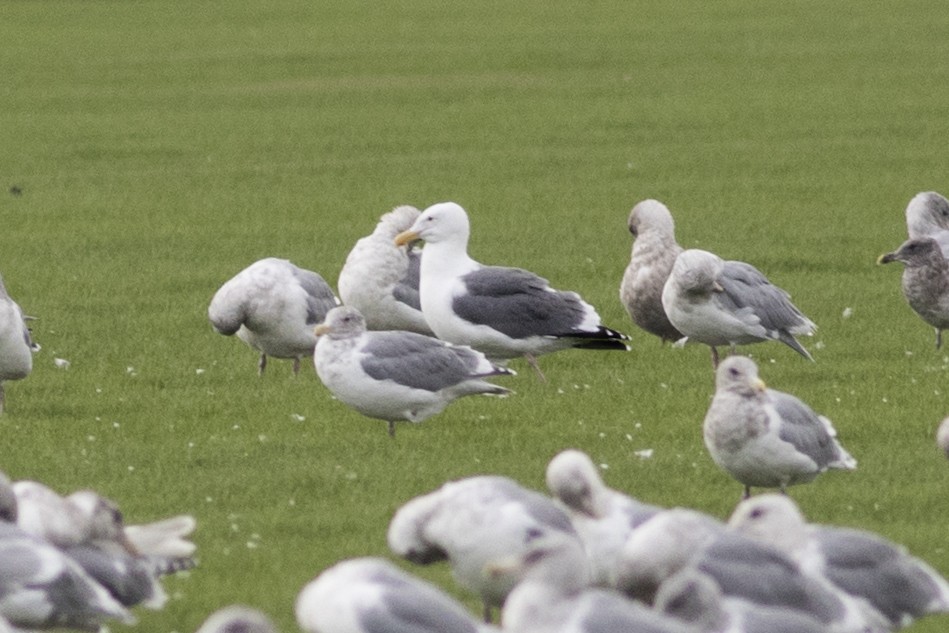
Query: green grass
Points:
[161, 147]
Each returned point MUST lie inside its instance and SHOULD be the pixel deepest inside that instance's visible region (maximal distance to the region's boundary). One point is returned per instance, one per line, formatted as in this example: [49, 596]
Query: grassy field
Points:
[153, 149]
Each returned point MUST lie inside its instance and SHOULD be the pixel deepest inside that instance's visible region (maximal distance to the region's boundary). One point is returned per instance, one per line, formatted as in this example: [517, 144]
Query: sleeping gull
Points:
[397, 375]
[472, 521]
[503, 312]
[237, 618]
[719, 302]
[767, 438]
[272, 305]
[654, 252]
[925, 281]
[16, 345]
[927, 215]
[381, 279]
[883, 574]
[604, 518]
[371, 595]
[553, 596]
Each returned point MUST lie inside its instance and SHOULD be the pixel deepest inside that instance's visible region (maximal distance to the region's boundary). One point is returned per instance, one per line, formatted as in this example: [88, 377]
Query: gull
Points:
[381, 280]
[927, 215]
[397, 375]
[925, 281]
[273, 305]
[942, 436]
[604, 518]
[371, 595]
[237, 618]
[719, 302]
[503, 312]
[473, 521]
[865, 565]
[16, 344]
[767, 438]
[653, 254]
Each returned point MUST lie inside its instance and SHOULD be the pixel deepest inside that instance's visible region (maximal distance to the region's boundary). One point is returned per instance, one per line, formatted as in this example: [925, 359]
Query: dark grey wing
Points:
[320, 296]
[747, 287]
[865, 565]
[518, 303]
[419, 361]
[129, 580]
[406, 291]
[802, 427]
[414, 608]
[611, 613]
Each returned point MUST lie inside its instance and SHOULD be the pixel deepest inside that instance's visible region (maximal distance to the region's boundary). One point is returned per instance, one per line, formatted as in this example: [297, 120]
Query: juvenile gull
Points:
[654, 252]
[719, 302]
[16, 345]
[473, 521]
[604, 518]
[863, 564]
[371, 595]
[397, 375]
[925, 281]
[767, 438]
[381, 279]
[927, 215]
[237, 618]
[504, 312]
[272, 305]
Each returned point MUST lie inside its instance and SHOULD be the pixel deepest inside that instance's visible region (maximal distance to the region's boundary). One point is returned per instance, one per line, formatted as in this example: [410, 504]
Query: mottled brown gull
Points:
[925, 281]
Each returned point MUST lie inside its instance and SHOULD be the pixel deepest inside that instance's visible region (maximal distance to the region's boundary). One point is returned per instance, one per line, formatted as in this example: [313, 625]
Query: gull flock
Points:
[418, 324]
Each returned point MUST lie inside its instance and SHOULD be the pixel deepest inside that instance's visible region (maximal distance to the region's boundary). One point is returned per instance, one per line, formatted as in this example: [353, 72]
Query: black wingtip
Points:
[603, 338]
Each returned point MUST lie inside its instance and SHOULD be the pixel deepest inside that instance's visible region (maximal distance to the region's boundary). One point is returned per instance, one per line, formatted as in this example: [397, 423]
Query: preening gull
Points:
[942, 436]
[381, 279]
[925, 281]
[927, 215]
[604, 518]
[899, 586]
[371, 595]
[473, 521]
[719, 302]
[767, 438]
[504, 312]
[654, 252]
[238, 618]
[272, 305]
[397, 375]
[16, 344]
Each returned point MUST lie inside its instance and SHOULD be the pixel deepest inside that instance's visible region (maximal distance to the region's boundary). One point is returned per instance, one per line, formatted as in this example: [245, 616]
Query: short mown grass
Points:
[158, 148]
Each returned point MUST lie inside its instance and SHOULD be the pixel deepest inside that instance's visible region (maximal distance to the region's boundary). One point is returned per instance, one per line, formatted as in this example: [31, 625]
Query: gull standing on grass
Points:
[719, 302]
[927, 215]
[272, 305]
[503, 312]
[397, 375]
[925, 281]
[381, 279]
[766, 438]
[654, 252]
[865, 565]
[16, 345]
[371, 595]
[473, 521]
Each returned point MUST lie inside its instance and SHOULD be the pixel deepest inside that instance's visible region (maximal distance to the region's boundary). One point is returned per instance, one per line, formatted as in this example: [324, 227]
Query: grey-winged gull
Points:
[397, 375]
[898, 585]
[718, 302]
[927, 215]
[553, 596]
[604, 518]
[942, 436]
[372, 595]
[16, 344]
[381, 280]
[504, 312]
[925, 281]
[654, 252]
[476, 520]
[272, 305]
[767, 438]
[238, 618]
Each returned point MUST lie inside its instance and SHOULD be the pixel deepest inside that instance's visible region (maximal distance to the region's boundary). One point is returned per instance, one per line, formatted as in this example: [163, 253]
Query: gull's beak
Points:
[406, 237]
[759, 385]
[322, 329]
[886, 258]
[502, 567]
[717, 287]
